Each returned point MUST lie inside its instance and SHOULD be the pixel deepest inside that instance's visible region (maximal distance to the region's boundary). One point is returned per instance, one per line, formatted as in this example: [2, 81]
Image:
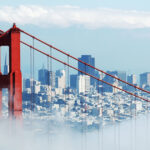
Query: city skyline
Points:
[5, 70]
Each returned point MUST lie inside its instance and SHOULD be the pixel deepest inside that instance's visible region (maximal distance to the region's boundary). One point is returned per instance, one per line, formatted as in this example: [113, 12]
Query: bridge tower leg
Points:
[13, 81]
[0, 88]
[15, 76]
[0, 101]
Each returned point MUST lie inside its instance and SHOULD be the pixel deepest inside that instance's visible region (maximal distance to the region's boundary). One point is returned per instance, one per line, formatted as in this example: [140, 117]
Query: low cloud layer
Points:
[67, 16]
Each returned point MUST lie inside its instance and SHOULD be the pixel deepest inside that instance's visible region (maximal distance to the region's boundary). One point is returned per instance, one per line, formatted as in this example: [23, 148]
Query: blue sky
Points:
[120, 4]
[116, 33]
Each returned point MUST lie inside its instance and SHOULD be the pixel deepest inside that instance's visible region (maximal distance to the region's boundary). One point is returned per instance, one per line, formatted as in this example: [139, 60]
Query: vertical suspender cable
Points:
[31, 79]
[102, 110]
[119, 124]
[65, 84]
[119, 121]
[65, 91]
[147, 125]
[131, 127]
[86, 90]
[51, 74]
[99, 115]
[50, 84]
[33, 87]
[48, 88]
[114, 117]
[68, 84]
[135, 121]
[48, 79]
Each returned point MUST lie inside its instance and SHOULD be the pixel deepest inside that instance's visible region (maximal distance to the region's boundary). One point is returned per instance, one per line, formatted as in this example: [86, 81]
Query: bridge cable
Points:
[48, 88]
[119, 122]
[87, 73]
[102, 113]
[50, 81]
[114, 116]
[135, 120]
[147, 124]
[86, 91]
[68, 85]
[33, 90]
[132, 119]
[97, 89]
[83, 61]
[65, 85]
[31, 79]
[50, 74]
[65, 97]
[131, 127]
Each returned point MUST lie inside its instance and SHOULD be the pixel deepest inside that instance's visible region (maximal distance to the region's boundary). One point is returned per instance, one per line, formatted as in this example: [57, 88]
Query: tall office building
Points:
[120, 74]
[91, 61]
[123, 76]
[31, 85]
[60, 79]
[73, 81]
[83, 83]
[46, 77]
[26, 83]
[131, 79]
[110, 79]
[6, 66]
[145, 79]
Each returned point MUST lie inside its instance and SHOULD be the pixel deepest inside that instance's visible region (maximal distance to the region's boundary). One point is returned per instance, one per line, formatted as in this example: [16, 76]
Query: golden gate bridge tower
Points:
[12, 81]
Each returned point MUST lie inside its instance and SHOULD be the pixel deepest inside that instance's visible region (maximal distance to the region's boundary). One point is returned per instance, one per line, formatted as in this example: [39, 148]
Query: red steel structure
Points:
[12, 81]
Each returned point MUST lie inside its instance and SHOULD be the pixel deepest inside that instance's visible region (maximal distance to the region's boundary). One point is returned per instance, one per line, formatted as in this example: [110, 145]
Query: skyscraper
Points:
[73, 81]
[131, 79]
[83, 83]
[145, 79]
[60, 80]
[46, 77]
[6, 66]
[120, 74]
[91, 61]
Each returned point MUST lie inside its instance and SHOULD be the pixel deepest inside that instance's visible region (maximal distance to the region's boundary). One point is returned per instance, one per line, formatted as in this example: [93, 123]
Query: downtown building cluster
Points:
[79, 96]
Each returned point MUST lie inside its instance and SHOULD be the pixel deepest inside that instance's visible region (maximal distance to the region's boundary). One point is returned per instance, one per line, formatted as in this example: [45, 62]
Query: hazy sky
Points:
[116, 32]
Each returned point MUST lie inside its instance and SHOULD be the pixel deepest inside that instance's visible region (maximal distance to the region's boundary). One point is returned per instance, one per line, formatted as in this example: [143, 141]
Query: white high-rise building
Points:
[60, 79]
[83, 83]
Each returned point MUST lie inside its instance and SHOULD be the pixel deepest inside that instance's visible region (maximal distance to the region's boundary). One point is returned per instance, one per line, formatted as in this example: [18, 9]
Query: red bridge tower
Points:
[12, 81]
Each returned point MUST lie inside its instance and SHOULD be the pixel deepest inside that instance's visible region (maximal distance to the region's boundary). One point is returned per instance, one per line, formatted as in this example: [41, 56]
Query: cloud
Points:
[67, 16]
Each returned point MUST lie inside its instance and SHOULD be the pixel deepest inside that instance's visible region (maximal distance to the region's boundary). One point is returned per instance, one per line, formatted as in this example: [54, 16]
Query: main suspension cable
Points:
[86, 73]
[85, 63]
